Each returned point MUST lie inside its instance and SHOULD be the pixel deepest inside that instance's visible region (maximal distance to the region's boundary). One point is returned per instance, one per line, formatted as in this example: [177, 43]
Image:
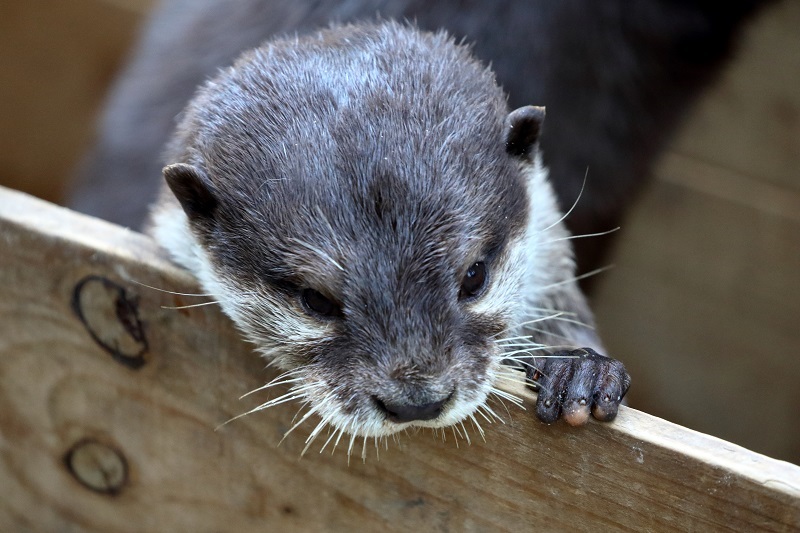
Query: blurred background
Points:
[703, 303]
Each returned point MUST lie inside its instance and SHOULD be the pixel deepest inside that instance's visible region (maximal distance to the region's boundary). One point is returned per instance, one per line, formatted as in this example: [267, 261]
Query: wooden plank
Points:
[135, 415]
[750, 121]
[704, 299]
[703, 302]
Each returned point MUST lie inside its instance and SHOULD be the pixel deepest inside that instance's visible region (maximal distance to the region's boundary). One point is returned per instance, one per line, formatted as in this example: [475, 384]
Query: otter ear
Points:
[190, 186]
[523, 126]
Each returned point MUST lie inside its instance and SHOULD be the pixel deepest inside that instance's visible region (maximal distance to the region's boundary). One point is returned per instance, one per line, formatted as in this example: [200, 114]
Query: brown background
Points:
[703, 304]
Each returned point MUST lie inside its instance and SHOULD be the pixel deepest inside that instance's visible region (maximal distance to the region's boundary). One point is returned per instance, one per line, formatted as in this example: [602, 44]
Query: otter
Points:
[618, 77]
[370, 214]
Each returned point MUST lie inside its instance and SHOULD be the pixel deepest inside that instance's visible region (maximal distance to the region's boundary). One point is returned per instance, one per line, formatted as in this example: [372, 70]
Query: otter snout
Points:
[409, 412]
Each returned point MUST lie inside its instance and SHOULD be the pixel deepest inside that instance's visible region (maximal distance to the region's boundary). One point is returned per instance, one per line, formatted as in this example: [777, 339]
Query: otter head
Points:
[358, 201]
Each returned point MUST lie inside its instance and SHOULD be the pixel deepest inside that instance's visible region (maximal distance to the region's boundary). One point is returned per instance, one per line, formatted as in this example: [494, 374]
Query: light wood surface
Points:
[703, 303]
[109, 404]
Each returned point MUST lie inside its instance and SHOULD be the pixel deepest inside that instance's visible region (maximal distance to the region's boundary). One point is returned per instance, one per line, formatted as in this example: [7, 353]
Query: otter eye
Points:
[318, 304]
[474, 281]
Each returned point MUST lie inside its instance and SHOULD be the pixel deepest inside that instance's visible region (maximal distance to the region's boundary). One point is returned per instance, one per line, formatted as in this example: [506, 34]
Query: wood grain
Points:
[703, 303]
[90, 443]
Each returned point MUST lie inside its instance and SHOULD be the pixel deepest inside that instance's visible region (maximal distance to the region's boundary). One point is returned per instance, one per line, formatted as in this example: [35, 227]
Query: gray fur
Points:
[373, 164]
[616, 77]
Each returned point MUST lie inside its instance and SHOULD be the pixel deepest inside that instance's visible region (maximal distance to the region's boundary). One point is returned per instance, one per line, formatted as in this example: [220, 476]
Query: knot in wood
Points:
[97, 466]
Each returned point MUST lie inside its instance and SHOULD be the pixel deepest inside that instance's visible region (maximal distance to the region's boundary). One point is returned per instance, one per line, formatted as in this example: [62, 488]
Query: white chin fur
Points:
[373, 423]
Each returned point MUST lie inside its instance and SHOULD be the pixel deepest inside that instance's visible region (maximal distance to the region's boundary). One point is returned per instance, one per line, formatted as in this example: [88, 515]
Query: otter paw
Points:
[574, 383]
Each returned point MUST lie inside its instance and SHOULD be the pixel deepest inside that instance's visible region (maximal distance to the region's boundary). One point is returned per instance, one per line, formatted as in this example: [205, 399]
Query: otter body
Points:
[369, 213]
[617, 76]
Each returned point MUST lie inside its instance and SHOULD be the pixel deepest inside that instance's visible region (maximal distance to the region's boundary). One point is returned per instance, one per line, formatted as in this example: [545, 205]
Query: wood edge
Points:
[57, 222]
[54, 221]
[772, 474]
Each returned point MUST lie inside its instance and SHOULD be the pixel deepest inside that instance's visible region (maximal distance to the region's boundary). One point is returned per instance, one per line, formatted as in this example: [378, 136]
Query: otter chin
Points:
[372, 216]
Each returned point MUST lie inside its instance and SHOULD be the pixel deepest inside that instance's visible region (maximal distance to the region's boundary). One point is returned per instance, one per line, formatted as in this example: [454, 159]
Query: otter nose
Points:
[406, 412]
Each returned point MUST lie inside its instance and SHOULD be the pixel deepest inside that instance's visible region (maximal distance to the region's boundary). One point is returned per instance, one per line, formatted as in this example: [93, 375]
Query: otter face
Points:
[359, 204]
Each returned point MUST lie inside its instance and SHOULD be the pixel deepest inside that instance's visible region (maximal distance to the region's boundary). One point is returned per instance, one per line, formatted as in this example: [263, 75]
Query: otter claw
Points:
[574, 383]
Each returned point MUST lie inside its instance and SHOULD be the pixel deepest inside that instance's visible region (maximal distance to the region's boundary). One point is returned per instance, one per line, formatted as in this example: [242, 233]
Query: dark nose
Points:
[405, 412]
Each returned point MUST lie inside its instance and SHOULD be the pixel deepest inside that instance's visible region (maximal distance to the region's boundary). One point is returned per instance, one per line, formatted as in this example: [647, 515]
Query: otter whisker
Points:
[515, 326]
[331, 434]
[522, 359]
[525, 346]
[512, 354]
[273, 384]
[539, 319]
[582, 236]
[341, 432]
[516, 362]
[521, 337]
[509, 339]
[572, 208]
[334, 433]
[305, 417]
[516, 400]
[576, 322]
[305, 403]
[578, 278]
[478, 427]
[533, 347]
[573, 321]
[350, 446]
[175, 307]
[493, 398]
[553, 311]
[466, 434]
[289, 396]
[237, 417]
[277, 381]
[488, 410]
[479, 410]
[172, 292]
[552, 333]
[540, 385]
[293, 394]
[323, 423]
[316, 431]
[518, 380]
[548, 347]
